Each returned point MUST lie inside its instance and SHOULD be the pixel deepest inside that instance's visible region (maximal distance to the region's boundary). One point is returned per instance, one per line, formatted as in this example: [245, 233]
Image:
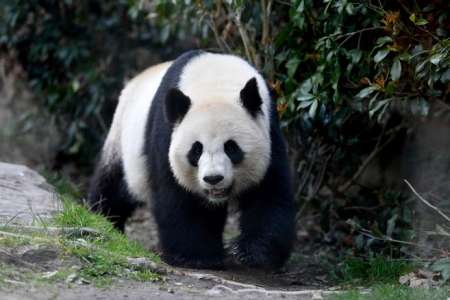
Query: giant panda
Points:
[193, 135]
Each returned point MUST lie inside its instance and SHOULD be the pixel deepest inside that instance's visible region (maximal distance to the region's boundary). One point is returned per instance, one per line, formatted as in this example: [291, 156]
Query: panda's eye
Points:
[194, 153]
[233, 151]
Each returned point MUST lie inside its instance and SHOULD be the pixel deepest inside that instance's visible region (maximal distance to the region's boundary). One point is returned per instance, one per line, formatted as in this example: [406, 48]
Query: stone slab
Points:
[25, 196]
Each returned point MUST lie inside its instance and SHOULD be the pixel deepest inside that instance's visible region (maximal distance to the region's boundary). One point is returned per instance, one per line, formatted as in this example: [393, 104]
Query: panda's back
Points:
[126, 136]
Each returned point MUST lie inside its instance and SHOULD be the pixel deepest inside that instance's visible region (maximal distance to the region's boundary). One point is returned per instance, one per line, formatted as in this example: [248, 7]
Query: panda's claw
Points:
[251, 254]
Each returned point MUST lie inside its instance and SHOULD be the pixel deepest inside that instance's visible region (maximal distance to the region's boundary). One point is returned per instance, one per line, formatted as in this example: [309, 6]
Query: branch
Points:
[340, 35]
[249, 50]
[364, 165]
[74, 231]
[385, 238]
[265, 18]
[317, 294]
[426, 202]
[246, 288]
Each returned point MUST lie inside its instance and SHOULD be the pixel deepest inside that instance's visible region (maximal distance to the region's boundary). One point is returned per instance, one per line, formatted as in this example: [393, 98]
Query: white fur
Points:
[213, 83]
[126, 136]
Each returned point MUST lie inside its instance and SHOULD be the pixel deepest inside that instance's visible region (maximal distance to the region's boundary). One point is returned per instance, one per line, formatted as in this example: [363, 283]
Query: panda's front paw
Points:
[253, 254]
[212, 263]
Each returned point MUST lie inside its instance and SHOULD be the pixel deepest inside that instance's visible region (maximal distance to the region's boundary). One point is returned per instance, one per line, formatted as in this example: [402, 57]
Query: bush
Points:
[76, 55]
[352, 78]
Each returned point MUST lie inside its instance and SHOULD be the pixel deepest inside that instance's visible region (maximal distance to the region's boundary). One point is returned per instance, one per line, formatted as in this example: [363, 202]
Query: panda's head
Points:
[218, 148]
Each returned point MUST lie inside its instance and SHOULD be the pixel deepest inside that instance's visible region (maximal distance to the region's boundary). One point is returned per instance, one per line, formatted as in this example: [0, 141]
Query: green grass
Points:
[394, 292]
[102, 252]
[373, 270]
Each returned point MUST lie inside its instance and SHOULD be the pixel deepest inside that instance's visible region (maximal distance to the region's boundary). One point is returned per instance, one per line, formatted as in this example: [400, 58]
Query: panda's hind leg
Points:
[108, 193]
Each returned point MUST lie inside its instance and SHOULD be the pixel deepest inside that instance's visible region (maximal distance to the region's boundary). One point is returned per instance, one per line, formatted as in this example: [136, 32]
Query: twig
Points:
[79, 231]
[385, 238]
[426, 202]
[244, 287]
[312, 155]
[272, 292]
[321, 175]
[215, 278]
[211, 21]
[340, 35]
[249, 50]
[369, 209]
[22, 236]
[365, 164]
[265, 18]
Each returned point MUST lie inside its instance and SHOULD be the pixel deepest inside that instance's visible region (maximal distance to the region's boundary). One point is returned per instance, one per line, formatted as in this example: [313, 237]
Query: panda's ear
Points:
[176, 106]
[250, 97]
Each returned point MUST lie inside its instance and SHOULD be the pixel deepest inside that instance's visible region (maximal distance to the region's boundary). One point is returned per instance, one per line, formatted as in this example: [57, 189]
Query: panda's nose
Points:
[213, 179]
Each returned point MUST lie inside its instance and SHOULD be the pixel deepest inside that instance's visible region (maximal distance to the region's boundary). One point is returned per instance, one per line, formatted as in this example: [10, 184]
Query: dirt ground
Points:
[174, 287]
[304, 271]
[303, 277]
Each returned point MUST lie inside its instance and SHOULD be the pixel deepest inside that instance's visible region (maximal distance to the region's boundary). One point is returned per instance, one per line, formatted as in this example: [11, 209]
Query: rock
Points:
[25, 196]
[28, 134]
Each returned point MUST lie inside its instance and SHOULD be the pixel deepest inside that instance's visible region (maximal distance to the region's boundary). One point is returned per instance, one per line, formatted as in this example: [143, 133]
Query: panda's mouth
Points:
[218, 194]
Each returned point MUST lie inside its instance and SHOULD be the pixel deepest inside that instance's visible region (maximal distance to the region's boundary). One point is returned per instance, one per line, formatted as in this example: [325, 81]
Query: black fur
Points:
[189, 229]
[176, 106]
[267, 211]
[234, 152]
[250, 97]
[108, 194]
[190, 232]
[194, 153]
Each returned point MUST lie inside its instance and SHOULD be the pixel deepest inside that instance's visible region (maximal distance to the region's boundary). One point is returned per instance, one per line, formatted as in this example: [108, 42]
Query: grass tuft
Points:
[105, 253]
[102, 252]
[377, 269]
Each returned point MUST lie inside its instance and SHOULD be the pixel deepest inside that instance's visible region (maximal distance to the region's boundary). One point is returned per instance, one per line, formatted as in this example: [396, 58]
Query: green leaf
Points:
[306, 86]
[396, 69]
[442, 266]
[350, 9]
[390, 88]
[365, 92]
[313, 109]
[420, 66]
[383, 40]
[355, 54]
[305, 97]
[436, 58]
[292, 66]
[417, 21]
[405, 56]
[424, 107]
[391, 225]
[380, 55]
[378, 106]
[304, 104]
[301, 6]
[421, 22]
[445, 77]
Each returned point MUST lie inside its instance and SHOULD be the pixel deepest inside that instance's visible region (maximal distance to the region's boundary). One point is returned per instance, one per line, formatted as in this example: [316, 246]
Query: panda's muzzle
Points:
[218, 193]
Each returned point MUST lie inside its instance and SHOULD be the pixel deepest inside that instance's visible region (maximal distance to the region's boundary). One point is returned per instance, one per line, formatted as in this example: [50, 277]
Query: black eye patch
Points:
[234, 152]
[194, 154]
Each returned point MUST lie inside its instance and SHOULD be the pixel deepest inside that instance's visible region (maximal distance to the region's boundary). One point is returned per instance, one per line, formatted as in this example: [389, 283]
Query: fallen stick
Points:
[436, 209]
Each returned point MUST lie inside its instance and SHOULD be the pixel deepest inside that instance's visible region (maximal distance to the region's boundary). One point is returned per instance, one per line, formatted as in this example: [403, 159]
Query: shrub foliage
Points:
[351, 78]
